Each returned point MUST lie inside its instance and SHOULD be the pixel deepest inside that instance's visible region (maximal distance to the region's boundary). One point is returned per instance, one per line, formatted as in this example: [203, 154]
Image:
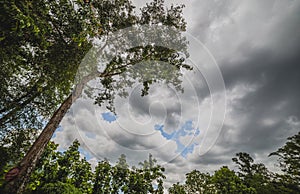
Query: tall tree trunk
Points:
[20, 175]
[27, 165]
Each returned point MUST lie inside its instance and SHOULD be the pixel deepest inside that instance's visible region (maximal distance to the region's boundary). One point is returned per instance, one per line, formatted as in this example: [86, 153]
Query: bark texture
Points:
[17, 184]
[27, 165]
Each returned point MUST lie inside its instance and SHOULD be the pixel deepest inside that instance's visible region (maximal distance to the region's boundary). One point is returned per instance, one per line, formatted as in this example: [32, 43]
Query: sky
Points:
[242, 97]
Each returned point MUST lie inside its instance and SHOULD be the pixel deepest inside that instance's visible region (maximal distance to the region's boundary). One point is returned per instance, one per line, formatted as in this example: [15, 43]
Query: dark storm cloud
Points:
[276, 97]
[132, 142]
[222, 152]
[260, 117]
[212, 159]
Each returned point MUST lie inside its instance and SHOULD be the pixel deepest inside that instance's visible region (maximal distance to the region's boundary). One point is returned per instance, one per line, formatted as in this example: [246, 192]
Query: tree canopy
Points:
[68, 172]
[289, 161]
[43, 42]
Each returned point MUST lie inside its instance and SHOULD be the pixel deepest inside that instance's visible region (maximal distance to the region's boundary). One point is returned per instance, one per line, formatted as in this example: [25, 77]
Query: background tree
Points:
[251, 177]
[121, 178]
[67, 172]
[197, 181]
[58, 187]
[148, 175]
[62, 169]
[226, 181]
[177, 189]
[13, 146]
[42, 44]
[289, 161]
[103, 178]
[254, 175]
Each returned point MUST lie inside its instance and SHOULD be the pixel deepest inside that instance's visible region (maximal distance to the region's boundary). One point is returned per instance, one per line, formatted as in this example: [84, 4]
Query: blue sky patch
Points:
[86, 153]
[188, 150]
[186, 129]
[109, 116]
[58, 129]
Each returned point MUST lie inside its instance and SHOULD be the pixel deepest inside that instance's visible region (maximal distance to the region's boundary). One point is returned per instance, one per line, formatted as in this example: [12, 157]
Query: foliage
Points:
[199, 182]
[58, 187]
[66, 172]
[66, 167]
[113, 179]
[254, 175]
[251, 177]
[226, 181]
[13, 147]
[289, 161]
[43, 42]
[177, 189]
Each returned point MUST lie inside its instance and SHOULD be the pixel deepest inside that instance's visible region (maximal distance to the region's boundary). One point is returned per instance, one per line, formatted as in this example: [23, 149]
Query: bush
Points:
[58, 188]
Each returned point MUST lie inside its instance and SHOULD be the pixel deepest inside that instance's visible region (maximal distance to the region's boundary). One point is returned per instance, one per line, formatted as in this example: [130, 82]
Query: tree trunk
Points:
[18, 177]
[27, 165]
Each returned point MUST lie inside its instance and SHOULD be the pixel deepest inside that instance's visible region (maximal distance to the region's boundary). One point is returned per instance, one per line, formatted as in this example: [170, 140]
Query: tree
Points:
[66, 170]
[103, 178]
[177, 189]
[225, 181]
[197, 181]
[289, 161]
[254, 175]
[13, 147]
[121, 178]
[59, 187]
[144, 178]
[43, 43]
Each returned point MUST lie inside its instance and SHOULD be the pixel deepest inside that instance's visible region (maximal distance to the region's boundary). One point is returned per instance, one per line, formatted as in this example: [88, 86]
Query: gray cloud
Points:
[265, 62]
[162, 102]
